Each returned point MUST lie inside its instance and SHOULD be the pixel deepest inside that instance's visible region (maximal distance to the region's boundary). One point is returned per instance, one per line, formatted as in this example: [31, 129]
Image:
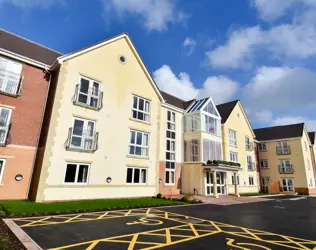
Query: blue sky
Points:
[259, 51]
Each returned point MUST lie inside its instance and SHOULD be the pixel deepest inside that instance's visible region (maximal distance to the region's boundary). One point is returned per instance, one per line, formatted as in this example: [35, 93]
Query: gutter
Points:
[39, 133]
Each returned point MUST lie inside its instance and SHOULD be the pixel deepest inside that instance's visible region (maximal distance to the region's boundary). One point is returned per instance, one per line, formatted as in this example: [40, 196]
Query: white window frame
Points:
[137, 110]
[284, 146]
[248, 142]
[233, 156]
[250, 163]
[311, 183]
[77, 172]
[90, 93]
[171, 171]
[10, 74]
[142, 146]
[308, 164]
[233, 180]
[287, 185]
[232, 138]
[262, 147]
[6, 127]
[140, 175]
[4, 161]
[283, 165]
[264, 164]
[251, 181]
[83, 137]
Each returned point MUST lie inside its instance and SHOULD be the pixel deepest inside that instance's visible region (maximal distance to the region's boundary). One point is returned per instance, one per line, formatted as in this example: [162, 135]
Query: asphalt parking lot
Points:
[277, 224]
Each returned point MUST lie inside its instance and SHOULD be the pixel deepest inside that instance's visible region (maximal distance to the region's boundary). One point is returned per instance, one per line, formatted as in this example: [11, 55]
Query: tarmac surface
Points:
[288, 223]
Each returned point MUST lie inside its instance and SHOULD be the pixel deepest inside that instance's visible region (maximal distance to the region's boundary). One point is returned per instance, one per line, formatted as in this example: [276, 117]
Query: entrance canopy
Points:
[223, 168]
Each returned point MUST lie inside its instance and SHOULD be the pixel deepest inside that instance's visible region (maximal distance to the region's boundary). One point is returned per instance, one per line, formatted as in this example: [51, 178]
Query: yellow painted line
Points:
[254, 245]
[129, 211]
[132, 244]
[252, 234]
[168, 237]
[103, 215]
[32, 223]
[127, 241]
[73, 218]
[148, 211]
[193, 229]
[92, 245]
[289, 239]
[166, 215]
[175, 235]
[180, 241]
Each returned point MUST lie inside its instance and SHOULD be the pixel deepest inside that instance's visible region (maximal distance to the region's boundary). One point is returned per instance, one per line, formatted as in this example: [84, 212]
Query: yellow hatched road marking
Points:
[103, 215]
[73, 218]
[168, 237]
[193, 229]
[31, 223]
[132, 244]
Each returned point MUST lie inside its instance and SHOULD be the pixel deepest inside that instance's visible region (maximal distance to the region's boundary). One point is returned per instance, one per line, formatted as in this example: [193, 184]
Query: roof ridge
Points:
[24, 38]
[278, 126]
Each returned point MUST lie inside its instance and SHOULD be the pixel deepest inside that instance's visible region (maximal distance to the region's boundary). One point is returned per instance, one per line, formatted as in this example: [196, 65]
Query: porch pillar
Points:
[215, 185]
[236, 185]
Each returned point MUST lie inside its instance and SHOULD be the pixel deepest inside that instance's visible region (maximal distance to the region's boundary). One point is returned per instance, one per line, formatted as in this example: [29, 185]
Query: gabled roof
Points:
[312, 137]
[279, 132]
[198, 105]
[26, 48]
[175, 101]
[225, 109]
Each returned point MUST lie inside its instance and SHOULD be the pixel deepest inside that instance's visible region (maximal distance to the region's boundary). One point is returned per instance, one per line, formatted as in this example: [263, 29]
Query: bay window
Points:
[212, 150]
[192, 150]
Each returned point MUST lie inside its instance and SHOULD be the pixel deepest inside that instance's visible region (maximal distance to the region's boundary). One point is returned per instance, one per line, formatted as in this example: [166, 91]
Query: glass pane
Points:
[219, 190]
[167, 176]
[1, 167]
[83, 98]
[145, 139]
[88, 144]
[147, 105]
[4, 117]
[144, 151]
[168, 164]
[70, 173]
[95, 89]
[138, 151]
[78, 127]
[90, 129]
[173, 165]
[83, 174]
[144, 176]
[84, 86]
[146, 118]
[136, 175]
[169, 116]
[135, 102]
[173, 117]
[134, 114]
[208, 178]
[140, 116]
[168, 145]
[76, 141]
[172, 177]
[132, 137]
[208, 190]
[129, 175]
[139, 138]
[284, 182]
[173, 146]
[141, 104]
[131, 150]
[94, 102]
[168, 156]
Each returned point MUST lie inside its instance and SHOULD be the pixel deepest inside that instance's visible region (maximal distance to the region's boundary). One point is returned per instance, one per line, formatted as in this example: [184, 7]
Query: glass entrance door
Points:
[220, 183]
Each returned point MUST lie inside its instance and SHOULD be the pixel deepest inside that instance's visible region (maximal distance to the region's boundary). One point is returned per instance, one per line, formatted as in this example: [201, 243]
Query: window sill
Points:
[170, 185]
[141, 121]
[234, 146]
[86, 106]
[9, 94]
[138, 157]
[75, 184]
[136, 184]
[81, 150]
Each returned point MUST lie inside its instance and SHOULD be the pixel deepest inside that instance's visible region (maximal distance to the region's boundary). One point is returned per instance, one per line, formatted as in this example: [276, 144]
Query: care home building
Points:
[24, 83]
[286, 162]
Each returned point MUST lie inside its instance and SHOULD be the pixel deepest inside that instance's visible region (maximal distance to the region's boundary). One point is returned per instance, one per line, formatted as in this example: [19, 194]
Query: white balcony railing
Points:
[251, 166]
[286, 169]
[285, 150]
[83, 141]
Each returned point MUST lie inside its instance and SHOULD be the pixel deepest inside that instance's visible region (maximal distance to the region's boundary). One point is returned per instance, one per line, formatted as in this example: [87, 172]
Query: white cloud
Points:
[285, 120]
[272, 9]
[220, 88]
[282, 42]
[31, 3]
[237, 50]
[154, 14]
[259, 116]
[189, 43]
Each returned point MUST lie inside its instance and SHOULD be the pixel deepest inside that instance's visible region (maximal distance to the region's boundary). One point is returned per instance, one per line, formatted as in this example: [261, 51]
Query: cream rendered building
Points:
[109, 132]
[238, 146]
[285, 158]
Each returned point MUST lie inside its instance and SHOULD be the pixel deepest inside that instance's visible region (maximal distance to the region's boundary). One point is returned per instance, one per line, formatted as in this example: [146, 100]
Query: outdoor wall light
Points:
[108, 180]
[18, 177]
[160, 180]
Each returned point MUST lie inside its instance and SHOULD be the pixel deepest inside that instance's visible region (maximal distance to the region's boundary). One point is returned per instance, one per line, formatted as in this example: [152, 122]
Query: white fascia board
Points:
[23, 59]
[169, 106]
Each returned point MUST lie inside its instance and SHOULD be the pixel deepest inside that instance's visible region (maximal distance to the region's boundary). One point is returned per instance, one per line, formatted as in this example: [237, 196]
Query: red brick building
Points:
[24, 84]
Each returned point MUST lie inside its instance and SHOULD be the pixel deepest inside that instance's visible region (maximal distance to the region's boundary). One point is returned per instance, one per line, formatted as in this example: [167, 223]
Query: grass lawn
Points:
[25, 207]
[254, 194]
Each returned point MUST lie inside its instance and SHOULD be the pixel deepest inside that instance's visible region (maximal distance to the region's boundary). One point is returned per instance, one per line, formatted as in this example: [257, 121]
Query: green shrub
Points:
[185, 198]
[159, 195]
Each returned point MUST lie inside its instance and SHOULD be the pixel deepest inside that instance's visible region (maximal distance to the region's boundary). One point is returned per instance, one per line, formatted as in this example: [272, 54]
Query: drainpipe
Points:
[39, 133]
